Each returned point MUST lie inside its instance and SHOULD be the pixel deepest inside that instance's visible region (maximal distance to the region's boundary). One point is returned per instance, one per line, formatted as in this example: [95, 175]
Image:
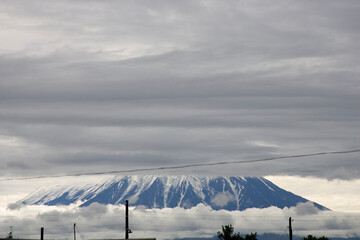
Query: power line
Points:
[182, 166]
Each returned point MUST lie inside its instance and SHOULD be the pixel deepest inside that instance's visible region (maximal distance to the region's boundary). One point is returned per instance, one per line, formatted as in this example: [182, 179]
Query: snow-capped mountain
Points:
[229, 193]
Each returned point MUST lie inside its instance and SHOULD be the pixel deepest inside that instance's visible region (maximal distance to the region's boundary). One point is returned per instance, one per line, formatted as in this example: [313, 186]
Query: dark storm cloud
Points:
[101, 84]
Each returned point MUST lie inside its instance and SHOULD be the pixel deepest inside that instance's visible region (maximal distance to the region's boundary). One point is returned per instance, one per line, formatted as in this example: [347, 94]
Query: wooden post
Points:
[74, 231]
[42, 233]
[126, 219]
[290, 229]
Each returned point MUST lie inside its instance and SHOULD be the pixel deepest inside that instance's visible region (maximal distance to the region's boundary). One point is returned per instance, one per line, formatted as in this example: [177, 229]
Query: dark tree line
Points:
[311, 237]
[228, 234]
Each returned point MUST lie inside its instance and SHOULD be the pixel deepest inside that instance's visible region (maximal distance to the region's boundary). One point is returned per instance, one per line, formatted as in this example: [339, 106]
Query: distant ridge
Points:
[229, 193]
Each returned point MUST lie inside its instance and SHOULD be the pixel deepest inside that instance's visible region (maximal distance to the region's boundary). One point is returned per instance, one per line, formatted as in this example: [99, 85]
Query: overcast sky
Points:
[88, 86]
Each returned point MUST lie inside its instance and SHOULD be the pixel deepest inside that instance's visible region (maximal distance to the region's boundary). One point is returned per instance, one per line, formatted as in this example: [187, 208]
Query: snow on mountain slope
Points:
[230, 193]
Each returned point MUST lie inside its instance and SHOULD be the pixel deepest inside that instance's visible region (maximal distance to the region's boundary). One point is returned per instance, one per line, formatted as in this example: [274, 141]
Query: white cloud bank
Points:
[100, 221]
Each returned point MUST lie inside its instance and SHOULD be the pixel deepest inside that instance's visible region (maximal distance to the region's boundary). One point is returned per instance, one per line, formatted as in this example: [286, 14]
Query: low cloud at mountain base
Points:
[107, 221]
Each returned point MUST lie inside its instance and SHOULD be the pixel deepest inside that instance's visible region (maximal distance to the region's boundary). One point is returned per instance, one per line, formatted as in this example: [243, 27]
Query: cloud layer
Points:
[100, 221]
[104, 86]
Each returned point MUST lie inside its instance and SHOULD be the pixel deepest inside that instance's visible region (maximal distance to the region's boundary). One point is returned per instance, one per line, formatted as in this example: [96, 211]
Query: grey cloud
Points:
[222, 199]
[307, 208]
[162, 84]
[15, 206]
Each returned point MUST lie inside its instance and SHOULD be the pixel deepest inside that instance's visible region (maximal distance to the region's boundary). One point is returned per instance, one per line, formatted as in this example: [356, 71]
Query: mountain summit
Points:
[229, 193]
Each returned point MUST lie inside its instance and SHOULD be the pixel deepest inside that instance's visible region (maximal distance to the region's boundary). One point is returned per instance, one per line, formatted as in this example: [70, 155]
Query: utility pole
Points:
[74, 231]
[10, 235]
[42, 233]
[290, 229]
[126, 219]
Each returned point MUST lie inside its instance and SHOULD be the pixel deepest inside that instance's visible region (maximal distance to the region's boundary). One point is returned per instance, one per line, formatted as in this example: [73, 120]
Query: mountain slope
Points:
[229, 193]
